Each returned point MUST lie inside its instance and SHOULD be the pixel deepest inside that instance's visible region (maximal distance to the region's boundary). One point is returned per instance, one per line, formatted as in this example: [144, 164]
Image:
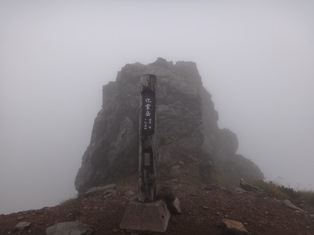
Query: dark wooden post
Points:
[147, 213]
[147, 168]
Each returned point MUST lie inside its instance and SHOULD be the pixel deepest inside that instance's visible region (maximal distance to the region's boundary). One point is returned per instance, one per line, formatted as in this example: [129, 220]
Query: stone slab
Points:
[148, 216]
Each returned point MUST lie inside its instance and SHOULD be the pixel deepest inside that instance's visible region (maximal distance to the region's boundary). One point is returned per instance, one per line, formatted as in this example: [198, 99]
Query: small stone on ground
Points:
[23, 225]
[234, 226]
[66, 228]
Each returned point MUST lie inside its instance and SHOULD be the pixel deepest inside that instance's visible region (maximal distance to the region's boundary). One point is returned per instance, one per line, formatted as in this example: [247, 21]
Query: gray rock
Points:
[239, 190]
[234, 227]
[23, 225]
[101, 189]
[176, 205]
[108, 193]
[187, 125]
[248, 187]
[69, 228]
[289, 204]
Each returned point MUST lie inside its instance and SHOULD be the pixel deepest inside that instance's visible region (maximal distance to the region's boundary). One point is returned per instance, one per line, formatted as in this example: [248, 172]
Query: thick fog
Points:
[256, 58]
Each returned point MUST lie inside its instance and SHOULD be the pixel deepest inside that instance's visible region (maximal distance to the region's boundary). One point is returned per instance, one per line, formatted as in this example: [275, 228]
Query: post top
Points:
[148, 81]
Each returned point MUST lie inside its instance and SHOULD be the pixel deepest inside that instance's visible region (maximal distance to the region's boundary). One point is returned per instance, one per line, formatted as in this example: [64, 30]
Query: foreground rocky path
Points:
[205, 210]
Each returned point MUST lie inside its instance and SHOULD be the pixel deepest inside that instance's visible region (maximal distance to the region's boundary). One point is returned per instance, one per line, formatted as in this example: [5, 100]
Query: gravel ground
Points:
[203, 209]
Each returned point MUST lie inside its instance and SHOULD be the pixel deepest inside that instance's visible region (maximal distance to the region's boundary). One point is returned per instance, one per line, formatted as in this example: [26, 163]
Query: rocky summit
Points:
[190, 146]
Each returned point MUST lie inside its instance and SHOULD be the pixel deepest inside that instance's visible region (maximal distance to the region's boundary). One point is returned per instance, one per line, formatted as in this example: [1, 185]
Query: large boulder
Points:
[187, 130]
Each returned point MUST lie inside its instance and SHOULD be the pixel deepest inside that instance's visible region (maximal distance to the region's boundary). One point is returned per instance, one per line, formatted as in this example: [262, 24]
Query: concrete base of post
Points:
[148, 216]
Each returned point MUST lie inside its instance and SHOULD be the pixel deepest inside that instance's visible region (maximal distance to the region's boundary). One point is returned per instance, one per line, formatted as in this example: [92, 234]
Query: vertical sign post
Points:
[147, 213]
[147, 168]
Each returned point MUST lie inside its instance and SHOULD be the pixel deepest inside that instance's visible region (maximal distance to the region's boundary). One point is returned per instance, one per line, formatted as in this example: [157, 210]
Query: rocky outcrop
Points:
[190, 144]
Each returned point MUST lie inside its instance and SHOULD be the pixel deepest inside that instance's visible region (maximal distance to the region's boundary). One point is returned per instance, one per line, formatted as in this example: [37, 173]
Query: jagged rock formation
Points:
[190, 144]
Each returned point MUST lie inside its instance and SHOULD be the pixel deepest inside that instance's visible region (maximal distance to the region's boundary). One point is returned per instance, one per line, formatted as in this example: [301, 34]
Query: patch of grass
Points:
[292, 193]
[220, 180]
[282, 192]
[270, 188]
[307, 196]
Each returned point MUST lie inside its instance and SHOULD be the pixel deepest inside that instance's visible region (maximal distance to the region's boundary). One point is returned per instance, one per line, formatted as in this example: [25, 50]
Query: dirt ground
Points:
[203, 208]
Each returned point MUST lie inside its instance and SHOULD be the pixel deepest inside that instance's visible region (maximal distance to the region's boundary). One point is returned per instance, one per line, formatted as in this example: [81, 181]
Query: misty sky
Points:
[255, 57]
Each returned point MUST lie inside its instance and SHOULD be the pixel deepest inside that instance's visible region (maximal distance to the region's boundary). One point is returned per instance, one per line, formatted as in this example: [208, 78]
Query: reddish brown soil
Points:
[203, 208]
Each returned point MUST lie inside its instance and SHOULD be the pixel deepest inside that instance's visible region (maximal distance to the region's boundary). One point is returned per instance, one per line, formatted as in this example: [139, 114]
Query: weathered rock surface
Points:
[67, 228]
[187, 131]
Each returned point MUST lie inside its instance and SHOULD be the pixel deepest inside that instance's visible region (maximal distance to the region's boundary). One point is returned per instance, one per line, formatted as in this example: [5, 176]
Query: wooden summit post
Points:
[147, 165]
[146, 213]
